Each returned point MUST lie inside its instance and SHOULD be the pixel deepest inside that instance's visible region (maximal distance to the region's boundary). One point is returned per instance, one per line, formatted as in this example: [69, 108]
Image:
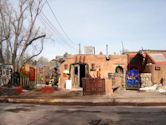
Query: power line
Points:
[67, 36]
[54, 29]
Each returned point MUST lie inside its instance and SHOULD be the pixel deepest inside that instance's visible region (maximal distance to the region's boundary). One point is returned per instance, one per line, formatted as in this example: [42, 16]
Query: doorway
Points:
[78, 71]
[82, 74]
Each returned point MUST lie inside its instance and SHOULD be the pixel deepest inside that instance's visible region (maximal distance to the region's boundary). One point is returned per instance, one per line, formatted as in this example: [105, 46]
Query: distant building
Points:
[58, 57]
[89, 50]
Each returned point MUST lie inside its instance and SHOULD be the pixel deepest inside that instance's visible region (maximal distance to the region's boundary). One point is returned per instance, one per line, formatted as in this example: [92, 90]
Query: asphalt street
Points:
[29, 114]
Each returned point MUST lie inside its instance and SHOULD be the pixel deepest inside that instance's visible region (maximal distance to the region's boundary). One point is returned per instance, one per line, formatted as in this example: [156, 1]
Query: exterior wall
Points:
[157, 69]
[158, 72]
[108, 87]
[98, 61]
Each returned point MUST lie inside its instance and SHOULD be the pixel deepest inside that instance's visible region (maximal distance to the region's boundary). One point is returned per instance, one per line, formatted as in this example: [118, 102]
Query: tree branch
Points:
[30, 58]
[31, 41]
[36, 39]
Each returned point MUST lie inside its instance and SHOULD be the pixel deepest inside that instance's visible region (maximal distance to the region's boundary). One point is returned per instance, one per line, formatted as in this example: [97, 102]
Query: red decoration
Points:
[19, 90]
[47, 90]
[32, 74]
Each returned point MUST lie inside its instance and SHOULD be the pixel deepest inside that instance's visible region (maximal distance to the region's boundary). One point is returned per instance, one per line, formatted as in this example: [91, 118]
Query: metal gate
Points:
[93, 86]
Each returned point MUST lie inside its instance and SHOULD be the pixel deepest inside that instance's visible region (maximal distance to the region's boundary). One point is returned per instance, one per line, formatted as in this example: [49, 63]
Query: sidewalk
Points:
[132, 98]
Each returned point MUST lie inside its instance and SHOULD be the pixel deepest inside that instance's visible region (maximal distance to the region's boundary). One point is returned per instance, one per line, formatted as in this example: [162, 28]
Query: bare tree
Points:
[18, 32]
[5, 20]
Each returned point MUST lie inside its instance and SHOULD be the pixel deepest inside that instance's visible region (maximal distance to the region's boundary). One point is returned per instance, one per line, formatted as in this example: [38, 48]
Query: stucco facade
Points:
[153, 62]
[76, 67]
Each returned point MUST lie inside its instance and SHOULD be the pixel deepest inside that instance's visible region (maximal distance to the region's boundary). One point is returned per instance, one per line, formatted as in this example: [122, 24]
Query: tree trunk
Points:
[1, 55]
[14, 62]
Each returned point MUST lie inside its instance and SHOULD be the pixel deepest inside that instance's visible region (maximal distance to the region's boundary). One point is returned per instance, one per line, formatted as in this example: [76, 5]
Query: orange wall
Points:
[99, 61]
[157, 74]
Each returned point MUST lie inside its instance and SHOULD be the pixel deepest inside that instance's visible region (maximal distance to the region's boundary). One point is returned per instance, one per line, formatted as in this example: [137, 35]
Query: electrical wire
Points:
[54, 29]
[58, 22]
[45, 20]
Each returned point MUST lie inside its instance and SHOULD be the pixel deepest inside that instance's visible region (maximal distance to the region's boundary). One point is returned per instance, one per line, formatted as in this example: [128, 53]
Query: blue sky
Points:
[138, 23]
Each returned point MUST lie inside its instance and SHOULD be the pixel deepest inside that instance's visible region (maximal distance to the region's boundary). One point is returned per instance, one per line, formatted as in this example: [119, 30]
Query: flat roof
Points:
[158, 58]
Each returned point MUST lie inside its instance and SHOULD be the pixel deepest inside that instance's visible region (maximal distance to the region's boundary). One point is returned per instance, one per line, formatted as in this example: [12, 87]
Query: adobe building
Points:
[151, 62]
[76, 67]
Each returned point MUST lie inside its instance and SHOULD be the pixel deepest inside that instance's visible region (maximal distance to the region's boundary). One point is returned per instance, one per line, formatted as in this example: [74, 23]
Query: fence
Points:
[26, 84]
[93, 86]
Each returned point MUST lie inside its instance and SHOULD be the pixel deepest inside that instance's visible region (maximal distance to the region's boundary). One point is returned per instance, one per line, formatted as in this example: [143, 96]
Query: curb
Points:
[88, 102]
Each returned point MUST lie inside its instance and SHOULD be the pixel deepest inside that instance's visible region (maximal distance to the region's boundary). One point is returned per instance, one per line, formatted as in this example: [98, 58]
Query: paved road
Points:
[28, 114]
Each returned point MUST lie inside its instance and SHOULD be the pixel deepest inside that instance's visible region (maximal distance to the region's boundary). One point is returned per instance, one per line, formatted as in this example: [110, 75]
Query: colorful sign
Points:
[5, 74]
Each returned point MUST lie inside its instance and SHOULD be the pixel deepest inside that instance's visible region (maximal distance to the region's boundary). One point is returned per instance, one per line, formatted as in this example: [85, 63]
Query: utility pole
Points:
[107, 50]
[123, 51]
[79, 51]
[94, 51]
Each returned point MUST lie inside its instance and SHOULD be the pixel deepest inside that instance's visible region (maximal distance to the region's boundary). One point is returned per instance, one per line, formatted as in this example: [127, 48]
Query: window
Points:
[65, 66]
[119, 70]
[93, 67]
